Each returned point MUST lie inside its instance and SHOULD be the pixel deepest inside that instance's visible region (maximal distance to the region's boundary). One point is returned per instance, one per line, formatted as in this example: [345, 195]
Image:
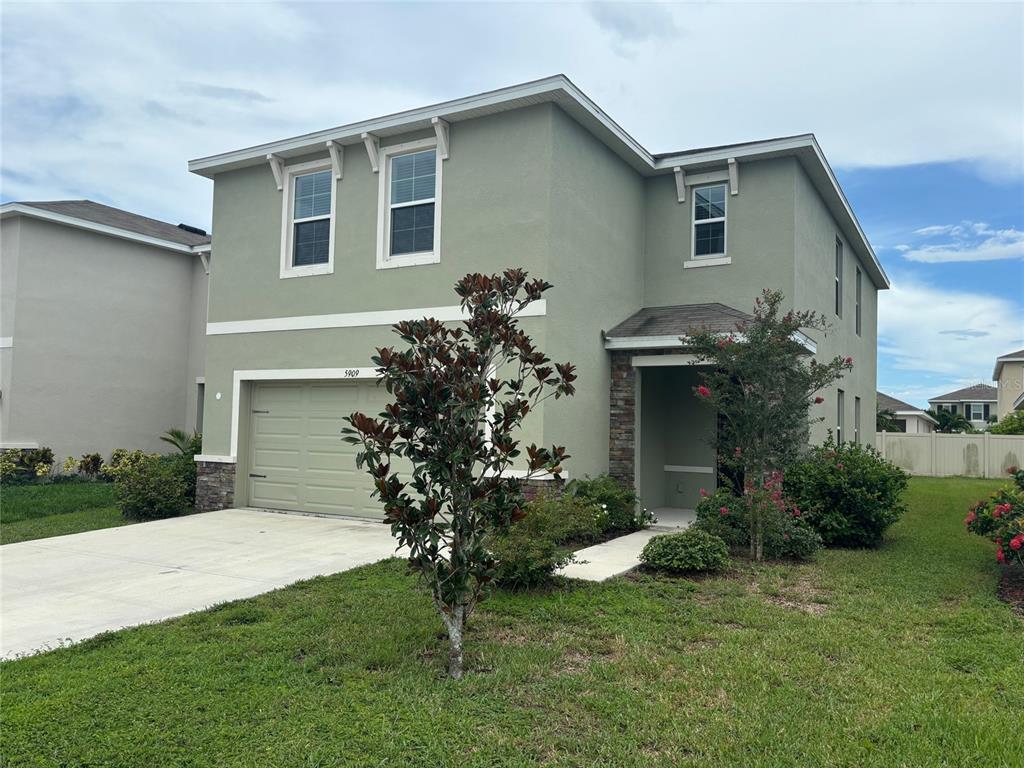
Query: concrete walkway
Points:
[68, 588]
[621, 555]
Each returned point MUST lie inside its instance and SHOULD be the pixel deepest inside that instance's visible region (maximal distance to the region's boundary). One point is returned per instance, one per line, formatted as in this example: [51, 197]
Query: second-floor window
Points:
[709, 221]
[410, 205]
[306, 235]
[857, 299]
[839, 277]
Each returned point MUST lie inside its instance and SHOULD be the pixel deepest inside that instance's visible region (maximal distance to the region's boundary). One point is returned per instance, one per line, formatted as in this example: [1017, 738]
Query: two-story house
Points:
[102, 327]
[975, 403]
[324, 240]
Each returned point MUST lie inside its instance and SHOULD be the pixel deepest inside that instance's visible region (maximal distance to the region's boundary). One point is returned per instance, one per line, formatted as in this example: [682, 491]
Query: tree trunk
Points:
[455, 622]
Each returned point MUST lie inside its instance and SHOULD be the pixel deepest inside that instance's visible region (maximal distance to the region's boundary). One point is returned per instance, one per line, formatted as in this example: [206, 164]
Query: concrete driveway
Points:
[69, 588]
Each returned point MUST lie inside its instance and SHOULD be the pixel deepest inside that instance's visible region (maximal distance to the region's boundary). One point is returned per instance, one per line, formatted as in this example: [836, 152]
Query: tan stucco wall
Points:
[1010, 386]
[102, 329]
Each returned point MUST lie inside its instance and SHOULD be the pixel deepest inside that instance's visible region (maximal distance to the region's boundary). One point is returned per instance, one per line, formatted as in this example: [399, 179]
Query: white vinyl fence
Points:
[938, 455]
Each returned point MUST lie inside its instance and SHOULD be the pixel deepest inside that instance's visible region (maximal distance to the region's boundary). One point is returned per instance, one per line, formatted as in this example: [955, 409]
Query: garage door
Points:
[297, 458]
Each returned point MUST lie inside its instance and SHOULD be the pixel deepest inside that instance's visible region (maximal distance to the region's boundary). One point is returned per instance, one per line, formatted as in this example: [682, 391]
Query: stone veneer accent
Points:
[622, 418]
[215, 485]
[535, 486]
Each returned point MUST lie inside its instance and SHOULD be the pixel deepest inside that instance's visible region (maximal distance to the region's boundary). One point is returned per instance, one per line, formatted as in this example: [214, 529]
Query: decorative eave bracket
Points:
[372, 144]
[441, 130]
[277, 166]
[337, 158]
[680, 184]
[734, 176]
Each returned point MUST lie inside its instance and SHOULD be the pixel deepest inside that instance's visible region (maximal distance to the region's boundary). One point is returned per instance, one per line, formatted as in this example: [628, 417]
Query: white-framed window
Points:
[840, 407]
[409, 205]
[839, 277]
[856, 420]
[975, 411]
[709, 221]
[308, 220]
[857, 298]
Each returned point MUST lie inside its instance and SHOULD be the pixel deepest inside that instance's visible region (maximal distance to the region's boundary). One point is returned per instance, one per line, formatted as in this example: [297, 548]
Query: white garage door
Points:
[297, 458]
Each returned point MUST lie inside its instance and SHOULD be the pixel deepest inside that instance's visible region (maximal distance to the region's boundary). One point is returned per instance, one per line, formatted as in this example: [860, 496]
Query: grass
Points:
[900, 656]
[54, 509]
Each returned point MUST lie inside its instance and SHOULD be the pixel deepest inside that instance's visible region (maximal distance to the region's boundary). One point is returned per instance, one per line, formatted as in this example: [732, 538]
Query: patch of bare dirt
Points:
[798, 595]
[1011, 588]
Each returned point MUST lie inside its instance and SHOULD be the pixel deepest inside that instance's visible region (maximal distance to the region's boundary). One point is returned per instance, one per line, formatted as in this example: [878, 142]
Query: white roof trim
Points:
[1019, 402]
[999, 365]
[919, 414]
[558, 89]
[17, 209]
[671, 341]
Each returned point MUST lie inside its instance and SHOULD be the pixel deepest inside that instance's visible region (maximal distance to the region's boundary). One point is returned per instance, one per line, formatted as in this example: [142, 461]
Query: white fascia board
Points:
[549, 88]
[669, 342]
[204, 248]
[919, 414]
[1019, 402]
[16, 209]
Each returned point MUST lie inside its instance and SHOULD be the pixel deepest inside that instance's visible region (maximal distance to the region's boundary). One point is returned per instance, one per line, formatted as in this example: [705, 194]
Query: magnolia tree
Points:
[460, 395]
[762, 382]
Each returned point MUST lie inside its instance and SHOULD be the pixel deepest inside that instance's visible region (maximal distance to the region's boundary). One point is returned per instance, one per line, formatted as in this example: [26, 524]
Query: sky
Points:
[918, 106]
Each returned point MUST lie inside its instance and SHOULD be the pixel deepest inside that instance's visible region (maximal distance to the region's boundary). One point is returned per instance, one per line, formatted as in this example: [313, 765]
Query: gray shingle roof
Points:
[115, 217]
[974, 393]
[679, 320]
[1008, 355]
[887, 403]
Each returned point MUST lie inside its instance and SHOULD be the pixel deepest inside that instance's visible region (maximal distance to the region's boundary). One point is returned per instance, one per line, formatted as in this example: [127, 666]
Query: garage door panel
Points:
[299, 446]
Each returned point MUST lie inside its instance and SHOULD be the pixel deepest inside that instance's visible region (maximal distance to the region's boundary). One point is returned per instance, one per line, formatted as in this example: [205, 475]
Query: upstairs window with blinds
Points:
[412, 198]
[311, 219]
[709, 221]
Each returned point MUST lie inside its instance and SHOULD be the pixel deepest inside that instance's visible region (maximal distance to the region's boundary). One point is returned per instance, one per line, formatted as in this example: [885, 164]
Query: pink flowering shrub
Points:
[1000, 517]
[784, 531]
[849, 494]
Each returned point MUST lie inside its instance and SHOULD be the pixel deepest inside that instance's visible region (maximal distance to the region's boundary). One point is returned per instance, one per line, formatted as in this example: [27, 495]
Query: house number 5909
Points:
[351, 373]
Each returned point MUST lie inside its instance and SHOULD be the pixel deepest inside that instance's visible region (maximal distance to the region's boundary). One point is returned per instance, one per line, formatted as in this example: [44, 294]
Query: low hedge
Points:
[690, 551]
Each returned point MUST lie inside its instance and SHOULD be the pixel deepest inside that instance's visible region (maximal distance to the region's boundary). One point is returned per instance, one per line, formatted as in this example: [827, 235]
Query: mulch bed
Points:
[1011, 587]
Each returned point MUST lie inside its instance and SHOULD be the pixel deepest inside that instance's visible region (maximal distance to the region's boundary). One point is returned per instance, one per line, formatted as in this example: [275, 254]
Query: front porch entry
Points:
[661, 434]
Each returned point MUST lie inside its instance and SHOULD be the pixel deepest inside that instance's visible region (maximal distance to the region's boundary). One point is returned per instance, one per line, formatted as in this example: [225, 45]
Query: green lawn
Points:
[895, 657]
[39, 511]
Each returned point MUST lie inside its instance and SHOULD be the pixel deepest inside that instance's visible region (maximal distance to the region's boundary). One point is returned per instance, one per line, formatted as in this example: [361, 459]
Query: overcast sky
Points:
[919, 107]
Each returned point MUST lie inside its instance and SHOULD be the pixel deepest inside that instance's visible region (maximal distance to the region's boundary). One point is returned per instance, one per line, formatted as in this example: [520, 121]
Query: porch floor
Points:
[621, 555]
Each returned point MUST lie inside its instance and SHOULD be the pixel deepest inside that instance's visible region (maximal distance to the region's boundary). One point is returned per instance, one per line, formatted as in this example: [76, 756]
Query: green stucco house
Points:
[322, 241]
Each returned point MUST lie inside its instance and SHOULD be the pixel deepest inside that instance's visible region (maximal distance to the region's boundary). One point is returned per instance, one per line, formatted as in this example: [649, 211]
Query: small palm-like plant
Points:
[949, 423]
[182, 440]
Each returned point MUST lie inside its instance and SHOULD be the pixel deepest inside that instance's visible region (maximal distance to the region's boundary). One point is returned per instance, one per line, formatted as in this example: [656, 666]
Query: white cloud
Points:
[969, 241]
[943, 339]
[130, 91]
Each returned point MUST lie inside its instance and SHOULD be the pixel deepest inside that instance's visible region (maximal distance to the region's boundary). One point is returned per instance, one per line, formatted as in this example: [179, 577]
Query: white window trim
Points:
[384, 259]
[719, 258]
[288, 223]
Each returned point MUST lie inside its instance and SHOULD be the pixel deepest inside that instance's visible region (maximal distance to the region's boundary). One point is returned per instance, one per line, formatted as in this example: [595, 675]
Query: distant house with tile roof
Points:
[976, 403]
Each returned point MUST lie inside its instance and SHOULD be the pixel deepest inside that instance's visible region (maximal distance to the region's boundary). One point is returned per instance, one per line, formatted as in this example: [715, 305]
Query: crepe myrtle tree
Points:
[762, 383]
[460, 395]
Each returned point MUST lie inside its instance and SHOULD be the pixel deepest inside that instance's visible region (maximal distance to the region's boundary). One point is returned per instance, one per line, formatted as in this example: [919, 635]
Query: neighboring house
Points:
[908, 418]
[324, 240]
[102, 327]
[976, 403]
[1009, 378]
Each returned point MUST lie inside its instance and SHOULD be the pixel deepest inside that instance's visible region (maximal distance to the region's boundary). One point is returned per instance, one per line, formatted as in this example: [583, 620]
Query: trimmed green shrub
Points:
[689, 551]
[618, 500]
[848, 493]
[530, 551]
[1011, 424]
[784, 532]
[151, 487]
